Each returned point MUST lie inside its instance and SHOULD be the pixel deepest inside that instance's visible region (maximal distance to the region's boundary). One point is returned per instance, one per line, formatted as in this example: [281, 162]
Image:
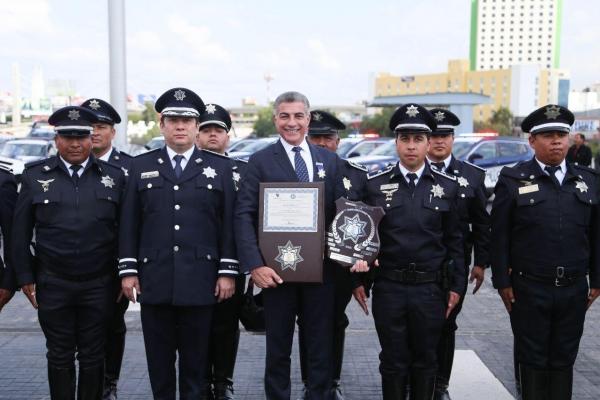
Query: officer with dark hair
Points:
[420, 275]
[71, 202]
[545, 232]
[323, 131]
[102, 137]
[8, 197]
[213, 136]
[475, 224]
[177, 249]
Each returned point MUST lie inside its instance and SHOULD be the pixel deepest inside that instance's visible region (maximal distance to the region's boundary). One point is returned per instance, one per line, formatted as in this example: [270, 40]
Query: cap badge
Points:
[412, 111]
[317, 117]
[210, 108]
[179, 95]
[439, 116]
[74, 115]
[552, 112]
[94, 104]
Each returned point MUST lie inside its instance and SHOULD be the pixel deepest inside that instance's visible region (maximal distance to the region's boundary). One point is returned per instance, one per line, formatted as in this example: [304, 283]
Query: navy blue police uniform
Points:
[8, 198]
[74, 211]
[225, 331]
[115, 339]
[177, 237]
[354, 178]
[420, 234]
[475, 227]
[544, 243]
[312, 303]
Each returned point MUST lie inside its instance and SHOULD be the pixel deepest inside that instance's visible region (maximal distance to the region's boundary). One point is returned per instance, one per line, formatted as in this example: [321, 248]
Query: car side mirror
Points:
[474, 157]
[354, 154]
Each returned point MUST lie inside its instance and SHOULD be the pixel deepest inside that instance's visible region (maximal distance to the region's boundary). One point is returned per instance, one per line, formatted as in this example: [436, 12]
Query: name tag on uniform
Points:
[529, 189]
[389, 186]
[150, 174]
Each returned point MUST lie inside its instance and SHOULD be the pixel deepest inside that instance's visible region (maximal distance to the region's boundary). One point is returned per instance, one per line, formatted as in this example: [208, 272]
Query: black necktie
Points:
[552, 172]
[300, 165]
[412, 178]
[178, 169]
[440, 166]
[74, 175]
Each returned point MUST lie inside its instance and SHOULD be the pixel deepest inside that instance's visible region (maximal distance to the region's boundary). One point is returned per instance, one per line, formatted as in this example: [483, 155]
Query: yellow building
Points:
[521, 88]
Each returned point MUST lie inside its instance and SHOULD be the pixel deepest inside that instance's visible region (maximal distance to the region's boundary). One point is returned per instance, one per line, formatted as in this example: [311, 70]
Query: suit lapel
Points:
[193, 166]
[317, 164]
[284, 162]
[164, 165]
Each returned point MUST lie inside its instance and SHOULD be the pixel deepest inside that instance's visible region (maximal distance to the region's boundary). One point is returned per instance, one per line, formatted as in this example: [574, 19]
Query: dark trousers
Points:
[343, 295]
[115, 338]
[313, 304]
[172, 331]
[74, 318]
[409, 321]
[547, 322]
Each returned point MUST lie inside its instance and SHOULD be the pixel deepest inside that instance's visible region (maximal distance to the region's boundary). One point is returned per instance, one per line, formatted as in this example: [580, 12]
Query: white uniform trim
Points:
[73, 128]
[127, 271]
[408, 126]
[123, 260]
[550, 125]
[229, 260]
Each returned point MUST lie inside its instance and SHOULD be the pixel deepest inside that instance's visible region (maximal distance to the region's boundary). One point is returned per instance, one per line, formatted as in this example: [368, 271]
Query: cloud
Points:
[148, 41]
[323, 56]
[197, 39]
[24, 16]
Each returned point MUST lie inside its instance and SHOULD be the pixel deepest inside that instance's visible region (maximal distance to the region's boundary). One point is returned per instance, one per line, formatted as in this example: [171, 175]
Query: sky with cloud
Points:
[222, 49]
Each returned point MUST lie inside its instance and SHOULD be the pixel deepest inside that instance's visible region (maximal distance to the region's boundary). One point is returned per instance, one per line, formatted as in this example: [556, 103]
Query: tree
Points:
[378, 123]
[501, 122]
[264, 125]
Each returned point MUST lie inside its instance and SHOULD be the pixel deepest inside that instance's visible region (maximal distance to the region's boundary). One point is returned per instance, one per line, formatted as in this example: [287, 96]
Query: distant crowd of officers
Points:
[93, 229]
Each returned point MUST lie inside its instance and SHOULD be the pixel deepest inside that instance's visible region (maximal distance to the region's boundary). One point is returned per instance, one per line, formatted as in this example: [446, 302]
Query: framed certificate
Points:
[291, 233]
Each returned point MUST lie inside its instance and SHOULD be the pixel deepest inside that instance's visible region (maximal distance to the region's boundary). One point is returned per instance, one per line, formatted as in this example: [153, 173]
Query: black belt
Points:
[559, 279]
[77, 278]
[409, 274]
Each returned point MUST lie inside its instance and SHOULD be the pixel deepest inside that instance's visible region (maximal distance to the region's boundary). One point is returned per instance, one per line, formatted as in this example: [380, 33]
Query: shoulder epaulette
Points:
[383, 171]
[34, 163]
[445, 175]
[584, 168]
[103, 163]
[241, 160]
[148, 152]
[357, 166]
[217, 154]
[4, 168]
[474, 166]
[126, 155]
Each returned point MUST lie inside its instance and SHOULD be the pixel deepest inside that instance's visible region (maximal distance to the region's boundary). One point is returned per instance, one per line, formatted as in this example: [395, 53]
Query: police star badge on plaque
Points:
[353, 234]
[289, 256]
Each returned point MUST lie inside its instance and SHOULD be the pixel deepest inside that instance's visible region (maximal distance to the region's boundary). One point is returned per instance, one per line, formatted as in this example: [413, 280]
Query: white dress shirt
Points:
[68, 165]
[106, 156]
[186, 156]
[446, 162]
[560, 174]
[305, 153]
[404, 172]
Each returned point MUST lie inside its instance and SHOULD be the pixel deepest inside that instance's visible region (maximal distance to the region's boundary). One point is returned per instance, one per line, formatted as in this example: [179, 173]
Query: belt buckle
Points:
[560, 274]
[411, 273]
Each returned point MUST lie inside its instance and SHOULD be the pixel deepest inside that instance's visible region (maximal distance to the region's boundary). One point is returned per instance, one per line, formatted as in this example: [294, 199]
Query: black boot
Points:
[91, 383]
[441, 389]
[224, 363]
[62, 383]
[561, 384]
[516, 367]
[534, 383]
[445, 354]
[422, 386]
[338, 359]
[394, 388]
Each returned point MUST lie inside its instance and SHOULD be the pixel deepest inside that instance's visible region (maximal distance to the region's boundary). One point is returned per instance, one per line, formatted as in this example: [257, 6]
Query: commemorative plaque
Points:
[353, 233]
[291, 229]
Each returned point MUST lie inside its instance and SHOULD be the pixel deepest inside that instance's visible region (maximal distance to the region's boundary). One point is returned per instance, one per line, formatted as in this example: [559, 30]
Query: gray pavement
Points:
[483, 328]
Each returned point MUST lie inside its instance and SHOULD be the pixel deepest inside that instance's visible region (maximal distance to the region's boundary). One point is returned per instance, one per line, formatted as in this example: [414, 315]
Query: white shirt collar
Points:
[288, 147]
[562, 165]
[68, 165]
[446, 161]
[186, 155]
[106, 155]
[405, 171]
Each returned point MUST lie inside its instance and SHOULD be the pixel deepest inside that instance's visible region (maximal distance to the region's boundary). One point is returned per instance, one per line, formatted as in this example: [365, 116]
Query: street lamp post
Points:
[118, 66]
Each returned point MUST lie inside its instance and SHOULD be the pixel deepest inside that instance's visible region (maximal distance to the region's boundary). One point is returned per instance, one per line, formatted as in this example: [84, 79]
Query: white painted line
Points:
[472, 380]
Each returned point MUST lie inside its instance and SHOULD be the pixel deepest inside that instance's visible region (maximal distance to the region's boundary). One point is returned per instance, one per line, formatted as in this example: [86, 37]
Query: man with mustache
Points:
[545, 232]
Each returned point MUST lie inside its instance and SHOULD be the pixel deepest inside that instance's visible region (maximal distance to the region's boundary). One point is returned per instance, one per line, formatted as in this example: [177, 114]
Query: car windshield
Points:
[256, 145]
[388, 149]
[242, 145]
[13, 150]
[156, 143]
[42, 132]
[460, 149]
[344, 146]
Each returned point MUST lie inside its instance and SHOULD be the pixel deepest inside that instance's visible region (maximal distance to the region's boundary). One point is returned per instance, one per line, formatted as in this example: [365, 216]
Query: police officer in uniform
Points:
[475, 223]
[323, 131]
[420, 259]
[177, 249]
[545, 225]
[71, 201]
[8, 197]
[213, 137]
[102, 137]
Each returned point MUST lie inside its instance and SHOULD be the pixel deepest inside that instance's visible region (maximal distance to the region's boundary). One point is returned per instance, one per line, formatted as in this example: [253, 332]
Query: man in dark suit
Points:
[102, 137]
[71, 203]
[8, 197]
[291, 159]
[475, 226]
[176, 247]
[579, 153]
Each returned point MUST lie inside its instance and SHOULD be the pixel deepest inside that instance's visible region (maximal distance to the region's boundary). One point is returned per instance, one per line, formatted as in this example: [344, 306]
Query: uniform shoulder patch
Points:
[216, 154]
[146, 153]
[383, 171]
[445, 175]
[474, 166]
[357, 166]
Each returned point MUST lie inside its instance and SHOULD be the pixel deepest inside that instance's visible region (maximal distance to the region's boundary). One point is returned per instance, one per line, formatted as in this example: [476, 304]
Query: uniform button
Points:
[149, 185]
[175, 248]
[531, 176]
[46, 201]
[176, 187]
[176, 227]
[531, 200]
[437, 208]
[387, 205]
[177, 206]
[208, 257]
[209, 186]
[145, 259]
[462, 195]
[110, 198]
